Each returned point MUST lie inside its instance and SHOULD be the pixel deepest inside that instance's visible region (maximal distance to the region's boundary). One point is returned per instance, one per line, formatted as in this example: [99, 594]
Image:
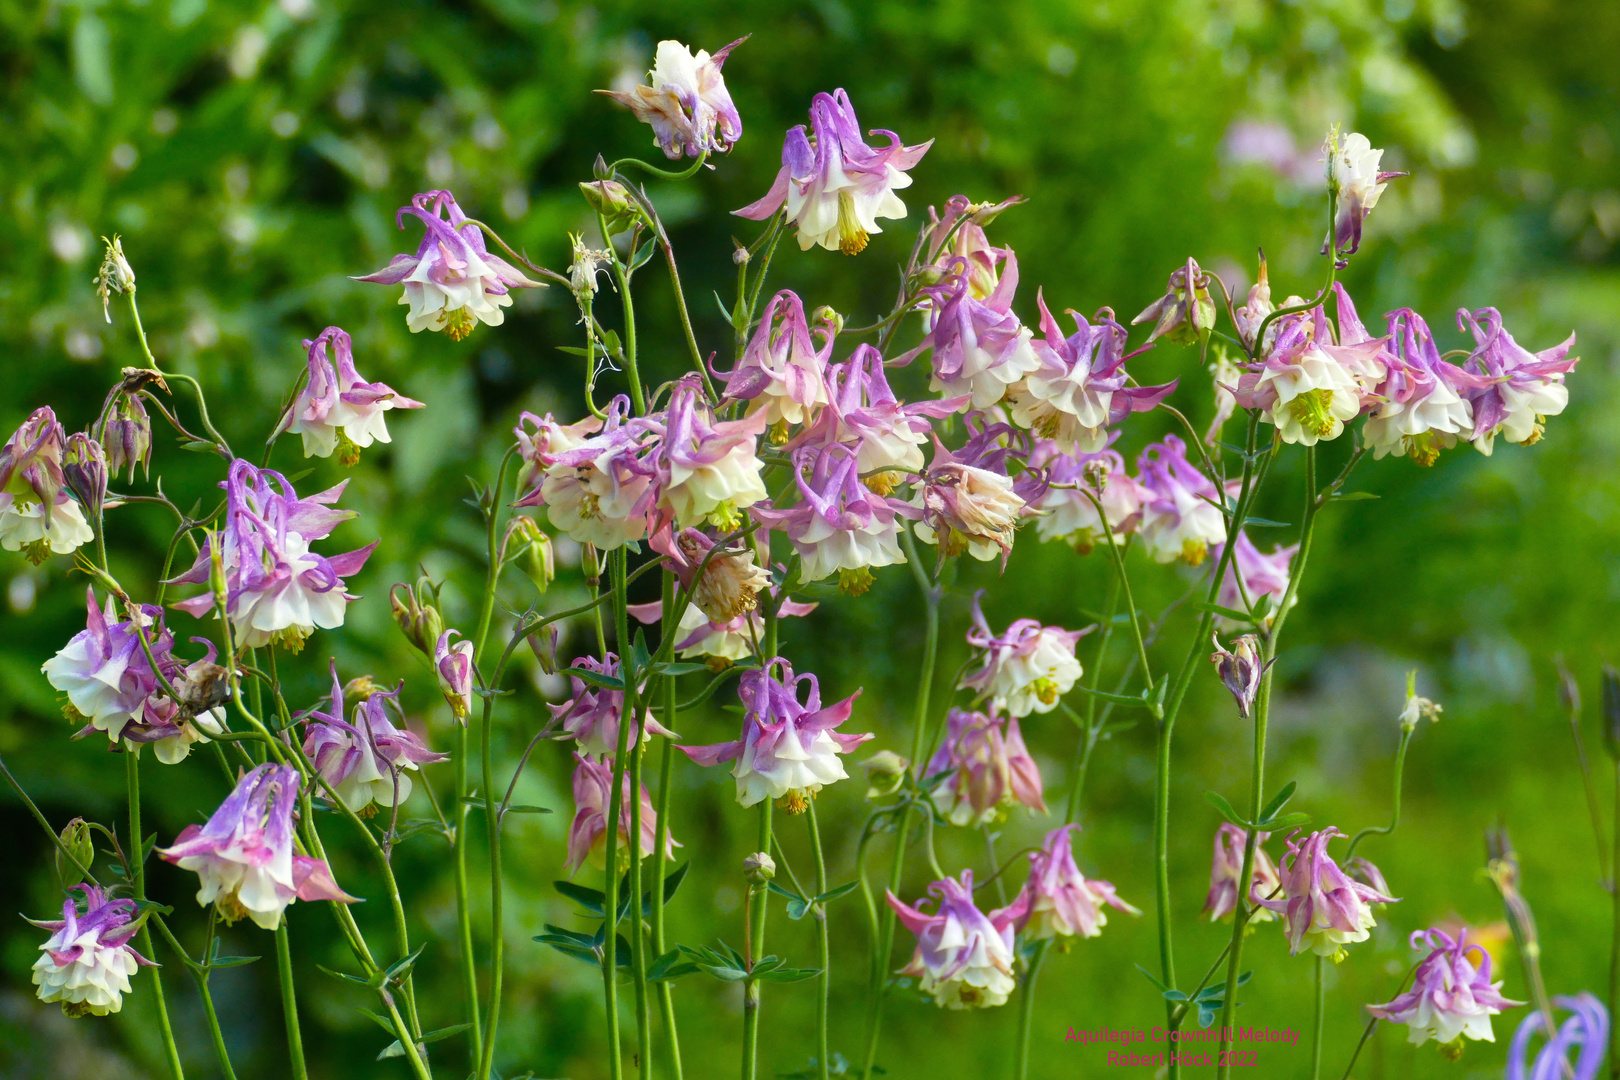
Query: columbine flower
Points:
[788, 749]
[1353, 174]
[592, 715]
[587, 834]
[1253, 311]
[1301, 385]
[453, 663]
[1025, 670]
[980, 349]
[967, 241]
[244, 854]
[1323, 908]
[1423, 408]
[88, 959]
[963, 957]
[367, 761]
[781, 371]
[989, 768]
[1587, 1028]
[84, 470]
[968, 501]
[725, 641]
[834, 186]
[687, 104]
[539, 440]
[1264, 577]
[1179, 521]
[1065, 511]
[1240, 670]
[1226, 868]
[115, 275]
[582, 271]
[730, 583]
[103, 670]
[37, 516]
[707, 470]
[1526, 387]
[452, 283]
[337, 408]
[1080, 387]
[1058, 900]
[600, 490]
[1185, 314]
[277, 590]
[839, 525]
[1452, 997]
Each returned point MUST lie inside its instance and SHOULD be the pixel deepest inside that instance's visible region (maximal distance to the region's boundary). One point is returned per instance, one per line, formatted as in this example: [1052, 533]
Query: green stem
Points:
[824, 955]
[666, 766]
[638, 939]
[289, 1002]
[751, 989]
[469, 961]
[610, 946]
[631, 372]
[1395, 816]
[1316, 1029]
[132, 777]
[214, 1031]
[1614, 948]
[497, 950]
[1026, 1007]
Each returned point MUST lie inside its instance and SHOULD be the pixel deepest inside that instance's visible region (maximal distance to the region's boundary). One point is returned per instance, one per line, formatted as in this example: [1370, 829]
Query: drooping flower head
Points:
[1452, 996]
[963, 956]
[1423, 404]
[789, 748]
[1024, 670]
[1353, 174]
[587, 834]
[539, 440]
[707, 468]
[960, 234]
[1304, 384]
[591, 716]
[369, 760]
[1058, 900]
[1226, 869]
[686, 102]
[832, 185]
[723, 584]
[88, 960]
[37, 515]
[840, 525]
[600, 490]
[453, 663]
[1180, 521]
[989, 768]
[337, 410]
[1240, 670]
[1324, 909]
[782, 372]
[1066, 513]
[980, 348]
[244, 854]
[277, 589]
[1525, 388]
[1264, 577]
[1586, 1029]
[969, 502]
[452, 283]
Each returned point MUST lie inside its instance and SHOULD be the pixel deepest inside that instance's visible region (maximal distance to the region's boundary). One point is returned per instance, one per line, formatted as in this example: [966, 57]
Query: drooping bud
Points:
[1240, 669]
[115, 275]
[416, 614]
[126, 435]
[529, 547]
[759, 868]
[75, 837]
[1611, 711]
[454, 663]
[612, 201]
[1185, 314]
[84, 467]
[884, 772]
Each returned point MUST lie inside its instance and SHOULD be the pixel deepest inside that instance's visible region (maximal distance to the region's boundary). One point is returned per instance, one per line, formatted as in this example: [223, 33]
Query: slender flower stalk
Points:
[823, 953]
[289, 1004]
[666, 998]
[132, 776]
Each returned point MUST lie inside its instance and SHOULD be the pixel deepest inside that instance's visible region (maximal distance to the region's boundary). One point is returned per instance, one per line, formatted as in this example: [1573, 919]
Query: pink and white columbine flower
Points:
[453, 663]
[1179, 521]
[989, 767]
[591, 717]
[587, 834]
[1424, 407]
[968, 501]
[947, 240]
[781, 371]
[1305, 385]
[37, 515]
[601, 490]
[103, 670]
[1452, 996]
[789, 749]
[367, 761]
[730, 583]
[1324, 909]
[722, 641]
[88, 960]
[539, 440]
[336, 406]
[840, 525]
[686, 104]
[1226, 868]
[1025, 670]
[980, 348]
[1526, 387]
[1080, 387]
[707, 468]
[1352, 169]
[244, 854]
[277, 590]
[452, 283]
[1264, 577]
[1058, 900]
[1065, 511]
[963, 957]
[833, 186]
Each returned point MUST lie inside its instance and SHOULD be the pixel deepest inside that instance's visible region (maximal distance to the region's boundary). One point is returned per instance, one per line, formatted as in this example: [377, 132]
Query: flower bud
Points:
[1240, 669]
[1417, 707]
[528, 545]
[612, 201]
[885, 770]
[1611, 711]
[826, 316]
[1569, 691]
[75, 837]
[759, 868]
[84, 467]
[360, 688]
[453, 661]
[126, 435]
[739, 254]
[115, 275]
[414, 615]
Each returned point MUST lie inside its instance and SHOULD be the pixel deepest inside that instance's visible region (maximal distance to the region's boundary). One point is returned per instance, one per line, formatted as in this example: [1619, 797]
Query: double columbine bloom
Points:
[989, 769]
[980, 348]
[338, 411]
[789, 749]
[88, 960]
[1323, 908]
[587, 834]
[244, 855]
[840, 525]
[964, 958]
[968, 501]
[1452, 996]
[369, 760]
[686, 104]
[832, 185]
[1179, 520]
[707, 468]
[1058, 900]
[1025, 670]
[600, 489]
[452, 283]
[591, 717]
[37, 515]
[1525, 387]
[1226, 870]
[782, 370]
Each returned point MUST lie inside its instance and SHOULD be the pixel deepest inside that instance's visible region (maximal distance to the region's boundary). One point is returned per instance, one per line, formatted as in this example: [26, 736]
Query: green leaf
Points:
[594, 678]
[673, 881]
[672, 965]
[1278, 801]
[592, 900]
[782, 890]
[1174, 995]
[396, 1050]
[788, 974]
[1289, 821]
[682, 667]
[1265, 523]
[377, 1018]
[198, 446]
[357, 980]
[1229, 613]
[588, 940]
[229, 961]
[574, 350]
[1351, 496]
[834, 894]
[527, 808]
[1152, 978]
[400, 969]
[1224, 808]
[1139, 700]
[797, 907]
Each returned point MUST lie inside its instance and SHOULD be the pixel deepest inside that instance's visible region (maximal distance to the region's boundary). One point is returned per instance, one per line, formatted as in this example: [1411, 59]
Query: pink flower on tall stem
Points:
[1323, 908]
[591, 717]
[1058, 900]
[1226, 868]
[587, 834]
[782, 372]
[963, 956]
[1027, 668]
[989, 767]
[337, 410]
[686, 104]
[88, 960]
[1452, 996]
[369, 760]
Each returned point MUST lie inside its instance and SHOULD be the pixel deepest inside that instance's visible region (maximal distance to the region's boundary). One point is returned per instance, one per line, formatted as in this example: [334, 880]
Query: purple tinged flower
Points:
[730, 583]
[1065, 511]
[963, 956]
[1323, 908]
[1185, 314]
[839, 525]
[367, 761]
[1058, 900]
[453, 662]
[277, 589]
[1353, 174]
[84, 469]
[103, 670]
[989, 767]
[707, 468]
[1302, 384]
[1587, 1029]
[1253, 311]
[947, 240]
[968, 501]
[1452, 997]
[587, 834]
[687, 104]
[88, 960]
[600, 490]
[722, 641]
[1423, 404]
[591, 717]
[1025, 670]
[1525, 389]
[452, 283]
[1264, 577]
[789, 749]
[244, 855]
[539, 440]
[37, 516]
[1241, 670]
[980, 348]
[126, 434]
[781, 371]
[1226, 870]
[1080, 387]
[337, 410]
[1182, 519]
[832, 185]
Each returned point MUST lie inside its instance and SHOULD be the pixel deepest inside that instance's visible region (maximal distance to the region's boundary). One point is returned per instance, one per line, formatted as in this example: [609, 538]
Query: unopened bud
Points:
[1569, 691]
[599, 168]
[126, 435]
[84, 467]
[924, 276]
[829, 318]
[416, 617]
[759, 868]
[217, 583]
[613, 202]
[1417, 707]
[75, 837]
[1241, 670]
[1611, 711]
[528, 545]
[885, 770]
[739, 254]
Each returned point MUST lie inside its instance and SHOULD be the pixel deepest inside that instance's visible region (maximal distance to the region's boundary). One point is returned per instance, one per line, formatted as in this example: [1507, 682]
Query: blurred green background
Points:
[253, 154]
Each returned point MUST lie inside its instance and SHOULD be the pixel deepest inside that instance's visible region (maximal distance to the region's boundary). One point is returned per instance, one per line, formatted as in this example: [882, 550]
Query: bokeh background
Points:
[252, 155]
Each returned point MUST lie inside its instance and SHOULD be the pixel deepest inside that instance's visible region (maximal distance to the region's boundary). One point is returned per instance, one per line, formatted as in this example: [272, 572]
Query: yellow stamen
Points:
[459, 323]
[881, 484]
[1311, 410]
[348, 454]
[855, 582]
[851, 237]
[1194, 552]
[725, 516]
[796, 801]
[1536, 432]
[292, 639]
[1046, 690]
[1423, 449]
[779, 433]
